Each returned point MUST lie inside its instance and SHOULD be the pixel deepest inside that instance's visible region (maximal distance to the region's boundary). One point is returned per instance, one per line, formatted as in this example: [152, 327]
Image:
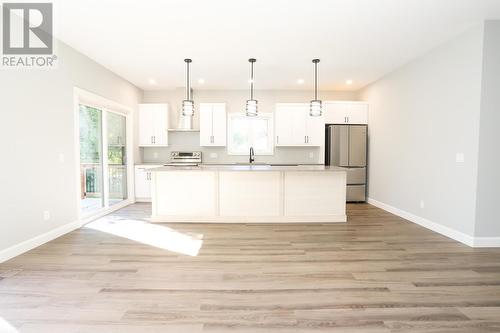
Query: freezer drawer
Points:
[356, 176]
[356, 193]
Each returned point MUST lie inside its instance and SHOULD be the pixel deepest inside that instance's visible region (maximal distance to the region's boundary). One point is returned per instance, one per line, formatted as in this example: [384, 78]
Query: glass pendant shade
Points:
[315, 108]
[187, 108]
[251, 108]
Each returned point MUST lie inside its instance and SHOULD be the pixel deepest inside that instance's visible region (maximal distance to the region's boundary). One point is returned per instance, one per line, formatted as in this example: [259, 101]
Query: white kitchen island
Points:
[248, 193]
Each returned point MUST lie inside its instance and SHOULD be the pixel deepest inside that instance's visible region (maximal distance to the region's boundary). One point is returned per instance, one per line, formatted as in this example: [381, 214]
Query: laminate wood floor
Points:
[376, 273]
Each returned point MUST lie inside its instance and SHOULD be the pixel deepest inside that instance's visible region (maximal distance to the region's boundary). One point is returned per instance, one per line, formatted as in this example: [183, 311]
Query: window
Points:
[245, 132]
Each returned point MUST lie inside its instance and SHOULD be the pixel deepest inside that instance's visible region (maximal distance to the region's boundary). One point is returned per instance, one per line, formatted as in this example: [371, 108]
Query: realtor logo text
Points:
[27, 38]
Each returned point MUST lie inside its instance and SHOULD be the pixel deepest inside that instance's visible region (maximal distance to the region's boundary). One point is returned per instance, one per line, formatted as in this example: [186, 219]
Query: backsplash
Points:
[189, 141]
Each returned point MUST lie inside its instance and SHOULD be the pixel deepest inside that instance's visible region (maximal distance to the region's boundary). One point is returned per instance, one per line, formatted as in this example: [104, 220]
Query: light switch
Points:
[61, 158]
[460, 158]
[213, 155]
[46, 215]
[311, 155]
[155, 155]
[422, 204]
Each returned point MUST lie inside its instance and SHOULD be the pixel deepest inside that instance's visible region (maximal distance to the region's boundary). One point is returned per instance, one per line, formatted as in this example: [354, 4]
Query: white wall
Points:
[36, 126]
[235, 102]
[420, 116]
[488, 183]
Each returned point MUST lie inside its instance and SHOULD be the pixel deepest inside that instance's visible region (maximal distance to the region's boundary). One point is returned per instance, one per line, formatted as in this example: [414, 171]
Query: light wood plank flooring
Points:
[376, 273]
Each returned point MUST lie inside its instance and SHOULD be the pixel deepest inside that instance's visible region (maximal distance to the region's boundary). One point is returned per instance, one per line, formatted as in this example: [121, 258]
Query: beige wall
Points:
[488, 187]
[420, 116]
[37, 126]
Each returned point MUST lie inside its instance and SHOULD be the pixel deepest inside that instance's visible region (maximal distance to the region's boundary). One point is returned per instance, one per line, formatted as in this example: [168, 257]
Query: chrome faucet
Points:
[252, 154]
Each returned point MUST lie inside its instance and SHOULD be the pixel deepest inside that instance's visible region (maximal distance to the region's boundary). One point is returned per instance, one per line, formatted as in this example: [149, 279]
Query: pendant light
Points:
[315, 105]
[251, 103]
[188, 104]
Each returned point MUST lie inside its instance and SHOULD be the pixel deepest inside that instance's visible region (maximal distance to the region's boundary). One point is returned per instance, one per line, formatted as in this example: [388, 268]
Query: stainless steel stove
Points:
[184, 158]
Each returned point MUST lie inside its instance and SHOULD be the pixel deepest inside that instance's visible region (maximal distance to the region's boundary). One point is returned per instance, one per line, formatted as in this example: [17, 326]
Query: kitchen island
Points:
[248, 193]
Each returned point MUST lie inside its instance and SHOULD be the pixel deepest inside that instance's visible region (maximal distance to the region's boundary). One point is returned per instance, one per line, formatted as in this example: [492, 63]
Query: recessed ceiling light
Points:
[201, 81]
[349, 82]
[300, 81]
[152, 82]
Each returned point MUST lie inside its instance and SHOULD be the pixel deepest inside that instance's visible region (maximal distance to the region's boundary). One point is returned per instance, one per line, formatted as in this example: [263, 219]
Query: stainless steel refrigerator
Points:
[346, 147]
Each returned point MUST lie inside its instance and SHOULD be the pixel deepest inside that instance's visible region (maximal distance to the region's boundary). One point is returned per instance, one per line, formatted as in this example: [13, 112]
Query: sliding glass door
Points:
[103, 159]
[117, 159]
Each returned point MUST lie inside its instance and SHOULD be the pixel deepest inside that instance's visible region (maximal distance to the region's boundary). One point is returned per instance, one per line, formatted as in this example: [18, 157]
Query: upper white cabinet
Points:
[153, 125]
[295, 127]
[345, 112]
[213, 124]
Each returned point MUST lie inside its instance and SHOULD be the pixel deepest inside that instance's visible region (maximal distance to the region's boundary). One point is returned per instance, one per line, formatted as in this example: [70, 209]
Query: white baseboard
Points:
[36, 241]
[486, 242]
[441, 229]
[30, 244]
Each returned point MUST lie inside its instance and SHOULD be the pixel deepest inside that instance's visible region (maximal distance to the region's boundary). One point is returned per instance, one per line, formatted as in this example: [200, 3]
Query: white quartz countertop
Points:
[255, 167]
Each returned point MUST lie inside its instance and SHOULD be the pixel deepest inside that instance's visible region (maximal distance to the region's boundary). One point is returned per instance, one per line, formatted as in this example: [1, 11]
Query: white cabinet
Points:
[295, 127]
[345, 112]
[143, 182]
[213, 124]
[153, 125]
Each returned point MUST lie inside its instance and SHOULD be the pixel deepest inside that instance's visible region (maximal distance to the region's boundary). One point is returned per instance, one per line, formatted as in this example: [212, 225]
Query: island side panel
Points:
[249, 194]
[184, 193]
[315, 194]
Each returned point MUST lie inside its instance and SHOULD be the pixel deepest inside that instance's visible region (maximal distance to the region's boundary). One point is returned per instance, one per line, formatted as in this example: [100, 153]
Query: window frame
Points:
[269, 116]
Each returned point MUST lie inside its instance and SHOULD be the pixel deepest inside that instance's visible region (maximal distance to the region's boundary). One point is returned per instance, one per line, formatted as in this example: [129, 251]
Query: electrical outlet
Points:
[422, 204]
[61, 158]
[311, 155]
[460, 158]
[46, 215]
[213, 155]
[155, 155]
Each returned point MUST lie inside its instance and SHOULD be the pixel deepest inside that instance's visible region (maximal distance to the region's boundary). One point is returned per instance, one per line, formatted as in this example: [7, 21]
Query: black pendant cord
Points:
[188, 80]
[315, 61]
[251, 60]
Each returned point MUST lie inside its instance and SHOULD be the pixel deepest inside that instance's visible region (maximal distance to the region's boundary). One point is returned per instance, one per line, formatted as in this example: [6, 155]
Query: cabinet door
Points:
[160, 137]
[357, 113]
[146, 125]
[283, 126]
[335, 113]
[315, 130]
[206, 134]
[142, 183]
[299, 125]
[219, 125]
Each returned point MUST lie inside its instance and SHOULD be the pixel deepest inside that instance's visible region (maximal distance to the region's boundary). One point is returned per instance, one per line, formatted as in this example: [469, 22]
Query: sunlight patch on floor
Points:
[5, 327]
[150, 234]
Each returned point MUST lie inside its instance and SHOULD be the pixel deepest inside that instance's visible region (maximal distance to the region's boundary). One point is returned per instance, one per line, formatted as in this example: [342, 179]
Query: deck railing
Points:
[91, 182]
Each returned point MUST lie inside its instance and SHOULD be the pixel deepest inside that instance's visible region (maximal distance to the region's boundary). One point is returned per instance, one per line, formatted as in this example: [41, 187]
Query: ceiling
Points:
[358, 40]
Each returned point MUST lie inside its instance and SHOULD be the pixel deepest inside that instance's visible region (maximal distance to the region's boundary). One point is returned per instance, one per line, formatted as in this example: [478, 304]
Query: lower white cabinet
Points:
[143, 182]
[346, 112]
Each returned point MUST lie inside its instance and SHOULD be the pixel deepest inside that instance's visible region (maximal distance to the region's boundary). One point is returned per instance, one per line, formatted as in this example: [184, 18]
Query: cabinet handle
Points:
[307, 139]
[277, 139]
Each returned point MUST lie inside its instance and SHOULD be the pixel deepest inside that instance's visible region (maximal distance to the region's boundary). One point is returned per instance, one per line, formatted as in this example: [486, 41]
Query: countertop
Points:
[255, 167]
